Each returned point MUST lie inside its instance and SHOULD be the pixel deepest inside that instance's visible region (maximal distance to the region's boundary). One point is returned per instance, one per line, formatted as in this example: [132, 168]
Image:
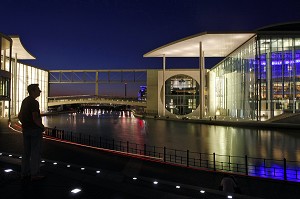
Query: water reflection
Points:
[171, 134]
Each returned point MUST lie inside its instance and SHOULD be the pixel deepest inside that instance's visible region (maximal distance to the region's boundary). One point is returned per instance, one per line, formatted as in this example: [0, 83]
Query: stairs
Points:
[285, 118]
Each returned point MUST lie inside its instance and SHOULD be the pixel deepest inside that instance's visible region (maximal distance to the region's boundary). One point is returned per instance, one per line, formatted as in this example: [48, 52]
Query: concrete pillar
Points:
[164, 86]
[97, 84]
[14, 86]
[269, 87]
[202, 82]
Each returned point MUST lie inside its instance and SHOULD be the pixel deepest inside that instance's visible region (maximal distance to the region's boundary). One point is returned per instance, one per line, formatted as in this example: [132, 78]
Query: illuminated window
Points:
[182, 95]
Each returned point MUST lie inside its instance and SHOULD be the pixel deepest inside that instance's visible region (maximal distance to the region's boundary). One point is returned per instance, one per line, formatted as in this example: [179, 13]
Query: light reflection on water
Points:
[180, 135]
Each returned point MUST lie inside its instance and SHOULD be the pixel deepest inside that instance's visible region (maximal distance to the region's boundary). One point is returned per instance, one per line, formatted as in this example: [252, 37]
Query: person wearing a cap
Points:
[32, 128]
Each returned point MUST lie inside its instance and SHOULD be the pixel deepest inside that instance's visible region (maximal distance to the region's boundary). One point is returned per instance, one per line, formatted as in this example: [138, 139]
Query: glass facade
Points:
[14, 79]
[24, 75]
[181, 95]
[259, 80]
[5, 75]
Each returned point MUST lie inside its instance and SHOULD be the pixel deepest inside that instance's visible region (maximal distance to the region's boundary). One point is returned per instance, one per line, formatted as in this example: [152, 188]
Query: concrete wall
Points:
[155, 92]
[152, 92]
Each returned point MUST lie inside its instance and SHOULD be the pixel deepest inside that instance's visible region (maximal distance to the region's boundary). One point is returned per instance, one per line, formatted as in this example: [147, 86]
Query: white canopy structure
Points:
[19, 50]
[213, 45]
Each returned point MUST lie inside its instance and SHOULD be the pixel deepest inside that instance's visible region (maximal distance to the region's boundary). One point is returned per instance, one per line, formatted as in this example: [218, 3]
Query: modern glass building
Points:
[5, 75]
[258, 79]
[16, 76]
[261, 78]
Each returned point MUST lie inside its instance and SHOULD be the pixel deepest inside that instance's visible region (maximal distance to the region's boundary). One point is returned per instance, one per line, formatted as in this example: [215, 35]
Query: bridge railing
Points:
[89, 97]
[245, 165]
[95, 99]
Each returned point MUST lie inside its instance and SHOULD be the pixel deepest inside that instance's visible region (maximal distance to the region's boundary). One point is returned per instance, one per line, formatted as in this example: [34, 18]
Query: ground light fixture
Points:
[8, 170]
[55, 163]
[202, 191]
[155, 182]
[177, 187]
[229, 196]
[82, 168]
[134, 178]
[75, 190]
[98, 171]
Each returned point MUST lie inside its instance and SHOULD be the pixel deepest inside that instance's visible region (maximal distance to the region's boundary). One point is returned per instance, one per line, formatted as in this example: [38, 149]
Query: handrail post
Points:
[246, 164]
[200, 159]
[164, 154]
[284, 166]
[127, 147]
[229, 163]
[187, 158]
[214, 161]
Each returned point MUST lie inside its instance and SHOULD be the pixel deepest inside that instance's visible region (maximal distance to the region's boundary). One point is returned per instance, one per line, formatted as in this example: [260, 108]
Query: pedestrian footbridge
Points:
[103, 100]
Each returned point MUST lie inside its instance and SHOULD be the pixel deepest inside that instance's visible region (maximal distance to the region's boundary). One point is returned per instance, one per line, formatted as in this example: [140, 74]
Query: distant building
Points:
[16, 76]
[258, 78]
[142, 94]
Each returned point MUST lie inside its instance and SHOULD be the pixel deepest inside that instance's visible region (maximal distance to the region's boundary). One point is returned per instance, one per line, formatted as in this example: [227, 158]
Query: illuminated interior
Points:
[5, 48]
[24, 75]
[259, 80]
[16, 76]
[182, 95]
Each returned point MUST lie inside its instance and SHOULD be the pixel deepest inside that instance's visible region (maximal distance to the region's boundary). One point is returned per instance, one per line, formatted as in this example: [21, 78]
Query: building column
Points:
[14, 86]
[7, 88]
[97, 84]
[269, 87]
[164, 86]
[294, 77]
[201, 87]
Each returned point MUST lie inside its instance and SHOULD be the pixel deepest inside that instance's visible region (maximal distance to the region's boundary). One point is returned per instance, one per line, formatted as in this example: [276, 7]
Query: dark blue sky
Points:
[103, 34]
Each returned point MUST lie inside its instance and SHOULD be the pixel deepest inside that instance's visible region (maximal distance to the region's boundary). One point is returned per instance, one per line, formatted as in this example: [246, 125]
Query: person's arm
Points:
[37, 120]
[20, 116]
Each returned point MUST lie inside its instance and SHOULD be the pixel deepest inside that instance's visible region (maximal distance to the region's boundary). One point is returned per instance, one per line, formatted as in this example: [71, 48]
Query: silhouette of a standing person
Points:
[32, 128]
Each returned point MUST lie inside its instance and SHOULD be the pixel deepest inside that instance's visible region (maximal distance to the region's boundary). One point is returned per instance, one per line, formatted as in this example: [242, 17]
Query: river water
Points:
[223, 140]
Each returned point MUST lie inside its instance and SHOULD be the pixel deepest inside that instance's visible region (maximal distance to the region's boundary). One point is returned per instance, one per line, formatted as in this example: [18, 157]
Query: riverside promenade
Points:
[109, 174]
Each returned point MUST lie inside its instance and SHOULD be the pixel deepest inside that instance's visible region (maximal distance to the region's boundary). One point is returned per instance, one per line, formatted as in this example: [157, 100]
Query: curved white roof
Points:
[213, 45]
[17, 47]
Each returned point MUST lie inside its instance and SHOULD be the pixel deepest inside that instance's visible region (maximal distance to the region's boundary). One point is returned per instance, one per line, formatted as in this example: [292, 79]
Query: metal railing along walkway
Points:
[245, 165]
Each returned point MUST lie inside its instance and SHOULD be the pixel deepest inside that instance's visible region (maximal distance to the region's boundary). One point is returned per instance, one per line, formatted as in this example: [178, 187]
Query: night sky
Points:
[114, 34]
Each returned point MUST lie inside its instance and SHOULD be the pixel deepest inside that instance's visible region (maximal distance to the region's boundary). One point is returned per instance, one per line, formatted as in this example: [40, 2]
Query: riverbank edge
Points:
[248, 124]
